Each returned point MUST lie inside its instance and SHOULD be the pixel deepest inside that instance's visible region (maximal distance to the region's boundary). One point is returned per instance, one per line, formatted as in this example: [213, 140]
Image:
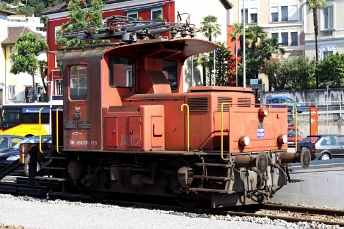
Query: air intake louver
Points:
[198, 104]
[244, 102]
[124, 108]
[221, 100]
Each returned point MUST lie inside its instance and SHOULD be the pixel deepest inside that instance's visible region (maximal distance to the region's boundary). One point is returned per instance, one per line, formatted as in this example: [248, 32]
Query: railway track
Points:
[289, 213]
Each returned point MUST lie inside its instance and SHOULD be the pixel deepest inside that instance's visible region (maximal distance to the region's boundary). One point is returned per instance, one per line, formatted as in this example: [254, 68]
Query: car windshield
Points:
[34, 139]
[289, 100]
[291, 132]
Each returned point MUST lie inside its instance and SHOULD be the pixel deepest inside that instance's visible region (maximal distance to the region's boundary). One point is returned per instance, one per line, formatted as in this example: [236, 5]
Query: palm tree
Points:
[254, 35]
[237, 32]
[314, 5]
[270, 46]
[209, 27]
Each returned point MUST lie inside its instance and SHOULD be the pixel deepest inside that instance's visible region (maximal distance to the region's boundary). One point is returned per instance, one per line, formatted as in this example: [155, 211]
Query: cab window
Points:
[122, 71]
[170, 70]
[78, 82]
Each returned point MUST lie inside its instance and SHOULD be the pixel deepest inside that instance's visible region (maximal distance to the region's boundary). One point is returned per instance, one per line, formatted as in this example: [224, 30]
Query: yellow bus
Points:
[23, 118]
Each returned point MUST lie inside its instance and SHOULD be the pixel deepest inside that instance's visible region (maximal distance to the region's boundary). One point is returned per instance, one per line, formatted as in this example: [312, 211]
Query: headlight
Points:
[13, 158]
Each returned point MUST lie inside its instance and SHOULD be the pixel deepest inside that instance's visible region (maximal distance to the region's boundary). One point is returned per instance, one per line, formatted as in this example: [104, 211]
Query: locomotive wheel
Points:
[187, 202]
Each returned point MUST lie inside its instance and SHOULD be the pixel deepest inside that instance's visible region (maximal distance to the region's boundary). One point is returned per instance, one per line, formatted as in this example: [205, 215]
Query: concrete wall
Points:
[312, 97]
[330, 122]
[322, 187]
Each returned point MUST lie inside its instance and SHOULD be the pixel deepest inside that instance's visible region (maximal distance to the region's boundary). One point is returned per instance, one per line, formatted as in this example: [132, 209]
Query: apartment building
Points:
[331, 33]
[279, 18]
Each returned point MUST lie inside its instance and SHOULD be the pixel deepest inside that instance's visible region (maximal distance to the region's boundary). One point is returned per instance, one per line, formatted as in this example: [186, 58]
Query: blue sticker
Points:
[260, 133]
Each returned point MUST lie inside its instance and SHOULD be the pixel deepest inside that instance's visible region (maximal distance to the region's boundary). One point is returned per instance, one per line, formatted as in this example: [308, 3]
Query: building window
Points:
[59, 87]
[274, 35]
[56, 29]
[246, 15]
[274, 14]
[132, 15]
[328, 17]
[284, 39]
[157, 14]
[294, 38]
[253, 16]
[284, 12]
[12, 92]
[293, 13]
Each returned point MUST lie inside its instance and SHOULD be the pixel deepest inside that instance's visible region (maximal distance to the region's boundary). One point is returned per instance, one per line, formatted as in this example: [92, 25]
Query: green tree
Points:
[202, 59]
[315, 5]
[254, 35]
[209, 27]
[4, 5]
[237, 33]
[224, 60]
[331, 71]
[27, 48]
[82, 19]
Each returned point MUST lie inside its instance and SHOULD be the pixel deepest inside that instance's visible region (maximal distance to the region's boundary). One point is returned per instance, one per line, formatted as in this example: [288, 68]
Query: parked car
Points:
[10, 155]
[283, 101]
[291, 135]
[8, 141]
[323, 147]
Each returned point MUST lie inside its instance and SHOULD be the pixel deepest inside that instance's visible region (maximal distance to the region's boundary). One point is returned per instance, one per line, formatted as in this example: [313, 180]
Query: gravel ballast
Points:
[28, 212]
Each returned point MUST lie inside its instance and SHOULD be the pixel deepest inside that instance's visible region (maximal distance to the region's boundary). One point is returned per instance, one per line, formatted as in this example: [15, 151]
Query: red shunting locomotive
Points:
[127, 126]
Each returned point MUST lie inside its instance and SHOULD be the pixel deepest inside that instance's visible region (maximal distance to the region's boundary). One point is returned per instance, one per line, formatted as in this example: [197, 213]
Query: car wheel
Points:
[325, 156]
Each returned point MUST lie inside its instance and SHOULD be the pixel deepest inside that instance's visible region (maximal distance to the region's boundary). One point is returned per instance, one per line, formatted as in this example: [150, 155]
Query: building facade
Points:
[279, 18]
[12, 25]
[330, 34]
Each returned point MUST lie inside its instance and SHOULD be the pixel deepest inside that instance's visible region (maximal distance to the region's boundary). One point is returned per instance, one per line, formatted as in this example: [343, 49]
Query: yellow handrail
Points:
[40, 126]
[188, 119]
[295, 124]
[222, 129]
[57, 130]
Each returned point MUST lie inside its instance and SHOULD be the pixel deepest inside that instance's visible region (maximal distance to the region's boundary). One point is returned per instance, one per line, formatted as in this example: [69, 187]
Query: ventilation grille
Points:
[124, 109]
[198, 104]
[221, 100]
[244, 102]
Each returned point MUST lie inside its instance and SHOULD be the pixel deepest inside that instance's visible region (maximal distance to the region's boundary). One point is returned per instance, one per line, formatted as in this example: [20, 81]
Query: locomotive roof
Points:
[182, 47]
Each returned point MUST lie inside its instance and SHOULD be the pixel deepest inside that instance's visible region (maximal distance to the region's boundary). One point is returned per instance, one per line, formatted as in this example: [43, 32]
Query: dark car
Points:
[291, 135]
[283, 101]
[323, 147]
[10, 155]
[8, 141]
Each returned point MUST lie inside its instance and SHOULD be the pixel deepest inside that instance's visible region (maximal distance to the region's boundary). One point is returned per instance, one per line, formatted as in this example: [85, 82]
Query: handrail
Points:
[40, 124]
[188, 125]
[222, 129]
[57, 130]
[295, 124]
